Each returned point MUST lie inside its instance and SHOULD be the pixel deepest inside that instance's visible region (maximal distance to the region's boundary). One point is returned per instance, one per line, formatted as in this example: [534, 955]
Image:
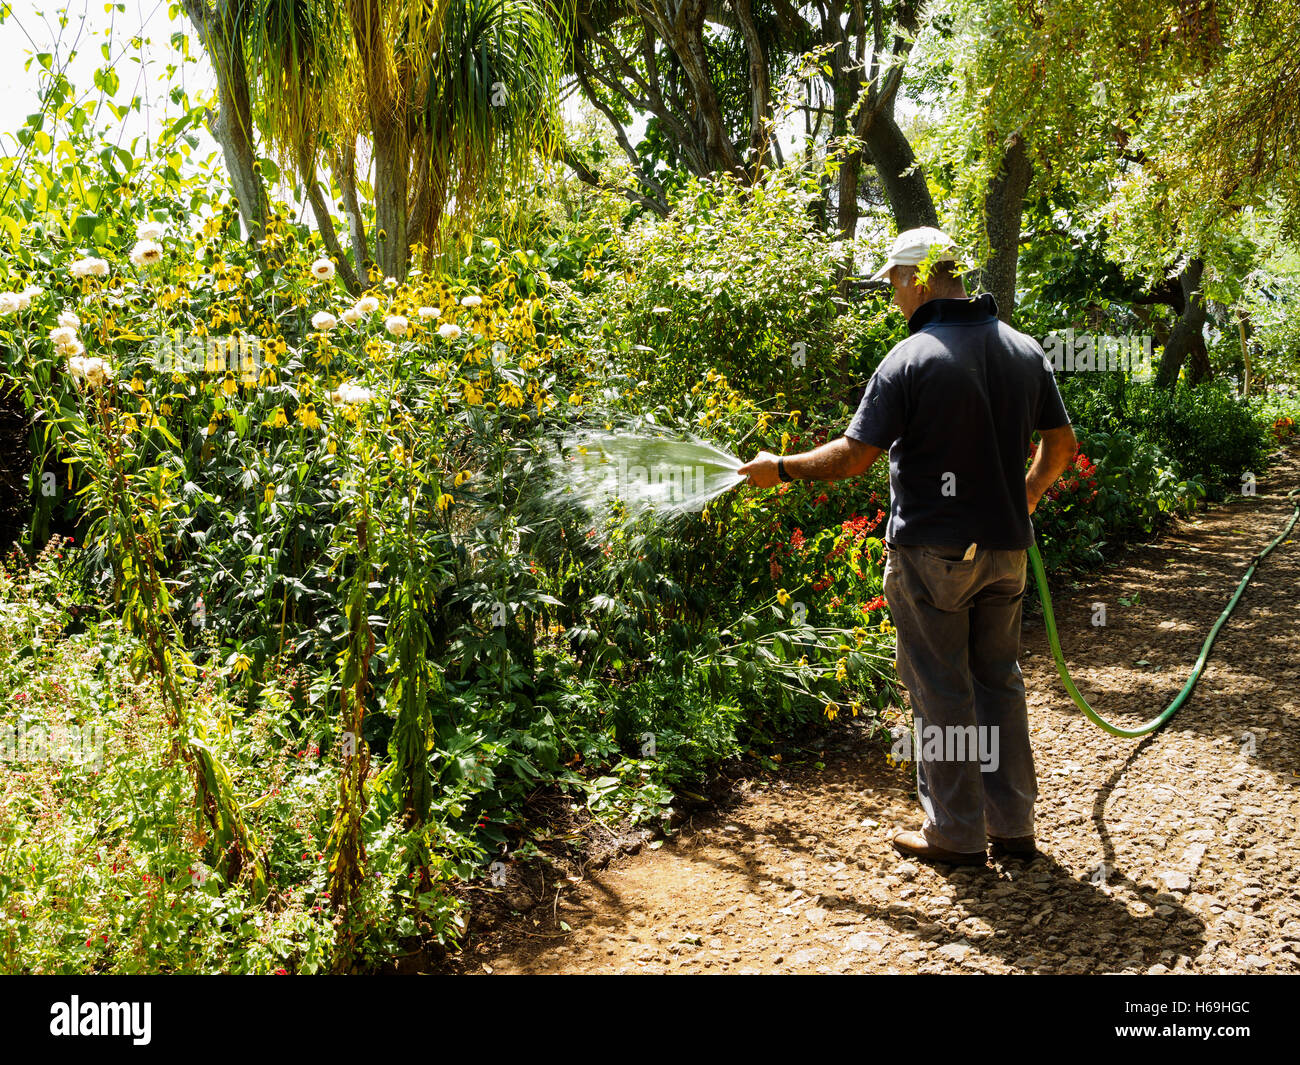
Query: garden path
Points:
[1174, 852]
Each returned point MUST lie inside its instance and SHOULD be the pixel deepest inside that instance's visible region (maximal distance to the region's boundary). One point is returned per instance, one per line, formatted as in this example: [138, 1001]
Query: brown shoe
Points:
[1012, 847]
[915, 845]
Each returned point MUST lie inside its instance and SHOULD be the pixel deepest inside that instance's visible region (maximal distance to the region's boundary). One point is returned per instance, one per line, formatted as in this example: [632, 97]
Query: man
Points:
[955, 405]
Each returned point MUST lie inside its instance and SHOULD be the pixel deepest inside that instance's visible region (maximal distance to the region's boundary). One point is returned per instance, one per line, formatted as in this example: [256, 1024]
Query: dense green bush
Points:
[1215, 436]
[740, 280]
[1117, 486]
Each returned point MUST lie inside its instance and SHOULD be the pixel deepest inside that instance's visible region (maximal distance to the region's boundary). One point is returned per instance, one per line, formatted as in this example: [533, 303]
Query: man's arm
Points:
[1054, 455]
[833, 461]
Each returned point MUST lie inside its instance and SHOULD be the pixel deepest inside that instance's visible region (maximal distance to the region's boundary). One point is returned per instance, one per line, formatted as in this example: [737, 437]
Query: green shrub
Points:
[1117, 486]
[1215, 435]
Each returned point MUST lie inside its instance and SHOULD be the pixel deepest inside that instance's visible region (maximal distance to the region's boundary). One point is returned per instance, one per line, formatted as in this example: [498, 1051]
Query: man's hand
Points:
[761, 470]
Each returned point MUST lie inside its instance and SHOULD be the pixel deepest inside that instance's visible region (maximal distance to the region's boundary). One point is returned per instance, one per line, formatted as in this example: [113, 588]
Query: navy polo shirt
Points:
[954, 405]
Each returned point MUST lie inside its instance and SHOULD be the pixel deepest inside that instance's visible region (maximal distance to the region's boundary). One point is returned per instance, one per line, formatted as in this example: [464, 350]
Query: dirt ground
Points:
[1177, 852]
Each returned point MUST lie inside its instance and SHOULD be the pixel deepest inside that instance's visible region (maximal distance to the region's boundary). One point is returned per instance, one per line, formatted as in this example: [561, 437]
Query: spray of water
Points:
[624, 475]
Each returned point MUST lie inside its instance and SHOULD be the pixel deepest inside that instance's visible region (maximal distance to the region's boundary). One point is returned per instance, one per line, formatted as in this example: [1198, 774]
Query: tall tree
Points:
[709, 75]
[445, 96]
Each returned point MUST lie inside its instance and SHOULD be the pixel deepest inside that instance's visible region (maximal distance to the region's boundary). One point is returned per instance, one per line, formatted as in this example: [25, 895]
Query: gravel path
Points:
[1176, 853]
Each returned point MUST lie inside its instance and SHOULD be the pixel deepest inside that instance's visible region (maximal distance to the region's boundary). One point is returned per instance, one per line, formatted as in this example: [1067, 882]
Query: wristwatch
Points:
[781, 471]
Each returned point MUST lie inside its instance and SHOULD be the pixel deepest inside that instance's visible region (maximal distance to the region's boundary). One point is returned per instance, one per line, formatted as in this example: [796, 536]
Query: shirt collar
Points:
[965, 310]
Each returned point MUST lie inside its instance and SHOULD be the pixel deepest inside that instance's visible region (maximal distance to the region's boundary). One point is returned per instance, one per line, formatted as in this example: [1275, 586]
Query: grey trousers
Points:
[958, 623]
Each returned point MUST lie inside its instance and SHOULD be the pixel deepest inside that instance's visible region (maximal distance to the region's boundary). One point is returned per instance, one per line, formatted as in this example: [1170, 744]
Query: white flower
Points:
[351, 316]
[63, 335]
[67, 318]
[430, 312]
[73, 347]
[9, 303]
[471, 301]
[323, 269]
[351, 393]
[449, 331]
[661, 310]
[89, 267]
[146, 252]
[150, 230]
[397, 325]
[367, 305]
[390, 282]
[31, 292]
[323, 321]
[94, 370]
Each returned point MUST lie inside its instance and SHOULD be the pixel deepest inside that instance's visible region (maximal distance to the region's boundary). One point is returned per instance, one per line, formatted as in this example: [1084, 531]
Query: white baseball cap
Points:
[912, 246]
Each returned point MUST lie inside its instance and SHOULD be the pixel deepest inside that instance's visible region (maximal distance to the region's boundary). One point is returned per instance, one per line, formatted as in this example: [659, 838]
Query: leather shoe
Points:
[915, 845]
[1012, 847]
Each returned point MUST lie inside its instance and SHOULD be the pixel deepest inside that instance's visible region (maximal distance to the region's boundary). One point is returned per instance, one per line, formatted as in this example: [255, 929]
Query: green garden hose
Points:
[1040, 575]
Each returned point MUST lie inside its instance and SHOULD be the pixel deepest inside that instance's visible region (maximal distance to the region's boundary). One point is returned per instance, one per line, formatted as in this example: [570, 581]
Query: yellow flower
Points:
[832, 710]
[783, 597]
[269, 494]
[473, 394]
[137, 385]
[885, 626]
[461, 478]
[332, 446]
[444, 501]
[842, 671]
[241, 664]
[308, 417]
[277, 420]
[229, 385]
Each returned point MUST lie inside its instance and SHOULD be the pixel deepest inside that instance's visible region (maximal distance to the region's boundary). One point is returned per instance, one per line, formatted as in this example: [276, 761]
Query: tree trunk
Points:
[1186, 339]
[903, 180]
[391, 179]
[324, 220]
[344, 164]
[387, 115]
[760, 90]
[682, 28]
[1003, 208]
[1242, 320]
[232, 126]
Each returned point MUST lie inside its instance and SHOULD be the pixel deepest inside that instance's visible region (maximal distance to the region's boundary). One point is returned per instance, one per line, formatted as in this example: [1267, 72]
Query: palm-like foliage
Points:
[451, 96]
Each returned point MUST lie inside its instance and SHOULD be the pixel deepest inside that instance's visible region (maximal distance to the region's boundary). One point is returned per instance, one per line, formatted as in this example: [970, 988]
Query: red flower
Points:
[796, 539]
